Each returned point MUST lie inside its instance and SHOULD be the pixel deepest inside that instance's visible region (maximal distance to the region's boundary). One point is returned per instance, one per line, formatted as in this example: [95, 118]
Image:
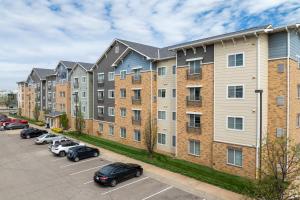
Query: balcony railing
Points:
[136, 121]
[101, 100]
[101, 84]
[193, 128]
[193, 76]
[136, 101]
[136, 79]
[76, 85]
[192, 101]
[100, 116]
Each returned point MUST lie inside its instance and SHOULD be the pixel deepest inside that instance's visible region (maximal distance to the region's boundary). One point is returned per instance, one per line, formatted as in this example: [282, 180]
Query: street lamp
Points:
[260, 130]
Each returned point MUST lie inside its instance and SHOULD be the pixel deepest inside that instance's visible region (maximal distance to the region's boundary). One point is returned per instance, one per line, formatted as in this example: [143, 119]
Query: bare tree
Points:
[79, 120]
[281, 168]
[150, 133]
[36, 112]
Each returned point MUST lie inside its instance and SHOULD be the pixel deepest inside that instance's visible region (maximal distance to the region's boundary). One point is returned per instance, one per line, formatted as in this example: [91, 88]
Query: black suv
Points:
[32, 132]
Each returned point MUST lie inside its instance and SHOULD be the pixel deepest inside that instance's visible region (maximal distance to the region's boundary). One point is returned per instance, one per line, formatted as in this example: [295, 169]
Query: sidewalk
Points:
[209, 192]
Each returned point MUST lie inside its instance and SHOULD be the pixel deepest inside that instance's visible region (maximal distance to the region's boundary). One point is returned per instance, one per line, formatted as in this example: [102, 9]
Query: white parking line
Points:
[76, 163]
[58, 159]
[125, 185]
[88, 182]
[157, 193]
[88, 169]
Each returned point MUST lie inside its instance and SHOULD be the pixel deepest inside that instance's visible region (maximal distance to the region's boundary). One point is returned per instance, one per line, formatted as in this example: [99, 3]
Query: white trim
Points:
[165, 114]
[194, 86]
[100, 90]
[235, 98]
[193, 113]
[121, 132]
[234, 157]
[109, 114]
[84, 78]
[192, 154]
[166, 70]
[120, 74]
[165, 139]
[136, 109]
[108, 74]
[193, 59]
[279, 58]
[136, 88]
[139, 67]
[234, 67]
[165, 92]
[108, 96]
[239, 130]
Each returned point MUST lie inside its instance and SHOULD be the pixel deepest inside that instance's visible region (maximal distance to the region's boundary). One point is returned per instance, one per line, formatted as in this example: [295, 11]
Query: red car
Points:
[7, 121]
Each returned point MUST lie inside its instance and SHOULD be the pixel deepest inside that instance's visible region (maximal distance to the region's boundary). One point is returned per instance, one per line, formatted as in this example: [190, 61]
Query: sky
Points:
[40, 33]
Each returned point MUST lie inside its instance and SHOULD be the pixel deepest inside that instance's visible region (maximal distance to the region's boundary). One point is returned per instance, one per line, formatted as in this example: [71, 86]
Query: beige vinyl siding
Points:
[167, 104]
[247, 76]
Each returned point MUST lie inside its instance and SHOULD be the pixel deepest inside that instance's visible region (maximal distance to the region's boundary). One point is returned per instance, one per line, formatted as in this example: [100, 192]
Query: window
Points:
[236, 123]
[83, 94]
[298, 91]
[194, 120]
[174, 140]
[123, 112]
[161, 71]
[195, 93]
[100, 110]
[235, 92]
[111, 76]
[174, 93]
[123, 132]
[174, 115]
[236, 60]
[298, 120]
[111, 111]
[111, 130]
[162, 115]
[83, 109]
[123, 93]
[117, 49]
[76, 83]
[174, 69]
[194, 67]
[123, 74]
[162, 93]
[194, 147]
[100, 77]
[161, 138]
[298, 59]
[234, 157]
[280, 100]
[83, 79]
[137, 94]
[137, 135]
[137, 115]
[279, 132]
[111, 94]
[280, 68]
[100, 94]
[137, 74]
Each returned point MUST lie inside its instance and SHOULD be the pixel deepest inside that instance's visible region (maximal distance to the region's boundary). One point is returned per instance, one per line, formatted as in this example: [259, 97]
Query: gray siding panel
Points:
[133, 60]
[278, 45]
[208, 56]
[295, 44]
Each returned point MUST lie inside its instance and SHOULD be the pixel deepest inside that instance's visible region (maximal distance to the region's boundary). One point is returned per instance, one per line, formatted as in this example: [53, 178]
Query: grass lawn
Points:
[202, 173]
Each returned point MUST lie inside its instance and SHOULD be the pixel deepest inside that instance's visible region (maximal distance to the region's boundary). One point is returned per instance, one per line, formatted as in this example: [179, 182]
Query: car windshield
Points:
[42, 136]
[106, 170]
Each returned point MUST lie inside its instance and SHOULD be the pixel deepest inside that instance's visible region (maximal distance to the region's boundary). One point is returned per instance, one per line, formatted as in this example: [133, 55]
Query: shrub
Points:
[39, 123]
[57, 130]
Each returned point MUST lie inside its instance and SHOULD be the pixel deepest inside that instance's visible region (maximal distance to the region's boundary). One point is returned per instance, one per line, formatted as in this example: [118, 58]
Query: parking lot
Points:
[29, 171]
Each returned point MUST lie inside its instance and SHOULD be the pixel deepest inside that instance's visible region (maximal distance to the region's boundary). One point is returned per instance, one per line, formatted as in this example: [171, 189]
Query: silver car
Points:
[47, 138]
[58, 141]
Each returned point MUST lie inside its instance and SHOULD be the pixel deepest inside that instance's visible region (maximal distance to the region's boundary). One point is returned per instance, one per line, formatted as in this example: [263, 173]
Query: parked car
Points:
[6, 121]
[82, 152]
[114, 173]
[32, 132]
[47, 138]
[15, 125]
[58, 141]
[63, 148]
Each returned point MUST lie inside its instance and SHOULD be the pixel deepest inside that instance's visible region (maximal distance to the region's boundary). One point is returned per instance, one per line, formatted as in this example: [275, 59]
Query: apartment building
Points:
[22, 85]
[82, 94]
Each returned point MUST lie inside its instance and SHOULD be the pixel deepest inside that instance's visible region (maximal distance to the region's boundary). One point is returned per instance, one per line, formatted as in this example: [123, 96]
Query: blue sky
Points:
[39, 33]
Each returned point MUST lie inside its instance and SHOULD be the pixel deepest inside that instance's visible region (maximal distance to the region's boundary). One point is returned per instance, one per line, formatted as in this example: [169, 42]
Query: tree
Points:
[20, 112]
[79, 120]
[64, 121]
[282, 166]
[36, 112]
[150, 133]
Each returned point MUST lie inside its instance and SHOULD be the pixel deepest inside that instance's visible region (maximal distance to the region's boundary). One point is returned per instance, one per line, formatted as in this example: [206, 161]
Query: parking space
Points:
[29, 171]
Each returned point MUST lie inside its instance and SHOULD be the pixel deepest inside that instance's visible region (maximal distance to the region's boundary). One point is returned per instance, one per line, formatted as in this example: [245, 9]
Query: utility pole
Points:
[260, 131]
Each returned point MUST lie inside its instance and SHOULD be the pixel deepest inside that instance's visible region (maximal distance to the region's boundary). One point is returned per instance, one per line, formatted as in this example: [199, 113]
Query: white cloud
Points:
[33, 35]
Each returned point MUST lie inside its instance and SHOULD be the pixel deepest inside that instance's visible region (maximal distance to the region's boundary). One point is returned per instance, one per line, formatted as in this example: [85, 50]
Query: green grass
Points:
[202, 173]
[31, 121]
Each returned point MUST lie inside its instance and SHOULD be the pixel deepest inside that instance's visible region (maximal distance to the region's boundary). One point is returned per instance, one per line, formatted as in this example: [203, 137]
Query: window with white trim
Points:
[174, 69]
[83, 109]
[234, 157]
[236, 60]
[136, 115]
[123, 132]
[123, 112]
[137, 135]
[161, 115]
[100, 94]
[83, 79]
[111, 111]
[235, 91]
[298, 120]
[298, 59]
[195, 67]
[194, 120]
[174, 140]
[123, 93]
[100, 110]
[162, 93]
[161, 138]
[174, 116]
[194, 147]
[174, 93]
[111, 94]
[195, 94]
[83, 94]
[298, 91]
[111, 130]
[100, 77]
[235, 123]
[123, 74]
[111, 76]
[117, 49]
[100, 127]
[161, 71]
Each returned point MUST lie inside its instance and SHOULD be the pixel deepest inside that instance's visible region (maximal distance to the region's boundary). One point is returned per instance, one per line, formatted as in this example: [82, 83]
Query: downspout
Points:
[151, 93]
[288, 85]
[176, 141]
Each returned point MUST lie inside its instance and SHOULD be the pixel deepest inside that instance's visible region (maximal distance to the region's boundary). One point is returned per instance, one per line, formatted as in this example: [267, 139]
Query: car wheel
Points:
[138, 173]
[62, 153]
[27, 136]
[76, 159]
[113, 183]
[96, 154]
[45, 142]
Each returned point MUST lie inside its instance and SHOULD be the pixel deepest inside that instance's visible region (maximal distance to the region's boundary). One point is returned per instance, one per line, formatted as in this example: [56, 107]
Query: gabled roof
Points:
[86, 66]
[68, 64]
[212, 39]
[42, 72]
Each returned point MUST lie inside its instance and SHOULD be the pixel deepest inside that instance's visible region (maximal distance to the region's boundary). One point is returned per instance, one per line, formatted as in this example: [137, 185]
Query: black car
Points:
[32, 132]
[82, 152]
[16, 125]
[114, 173]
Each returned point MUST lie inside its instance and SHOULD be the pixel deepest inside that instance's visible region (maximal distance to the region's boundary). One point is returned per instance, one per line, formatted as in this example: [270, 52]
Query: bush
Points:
[57, 130]
[39, 123]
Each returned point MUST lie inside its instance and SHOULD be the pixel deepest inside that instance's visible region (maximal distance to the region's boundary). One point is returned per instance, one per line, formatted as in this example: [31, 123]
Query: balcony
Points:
[136, 79]
[193, 76]
[193, 128]
[136, 121]
[101, 100]
[192, 101]
[76, 85]
[136, 101]
[100, 116]
[101, 84]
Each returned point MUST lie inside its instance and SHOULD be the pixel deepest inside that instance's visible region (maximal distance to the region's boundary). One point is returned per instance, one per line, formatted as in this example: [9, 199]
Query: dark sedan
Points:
[114, 173]
[82, 152]
[16, 125]
[31, 133]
